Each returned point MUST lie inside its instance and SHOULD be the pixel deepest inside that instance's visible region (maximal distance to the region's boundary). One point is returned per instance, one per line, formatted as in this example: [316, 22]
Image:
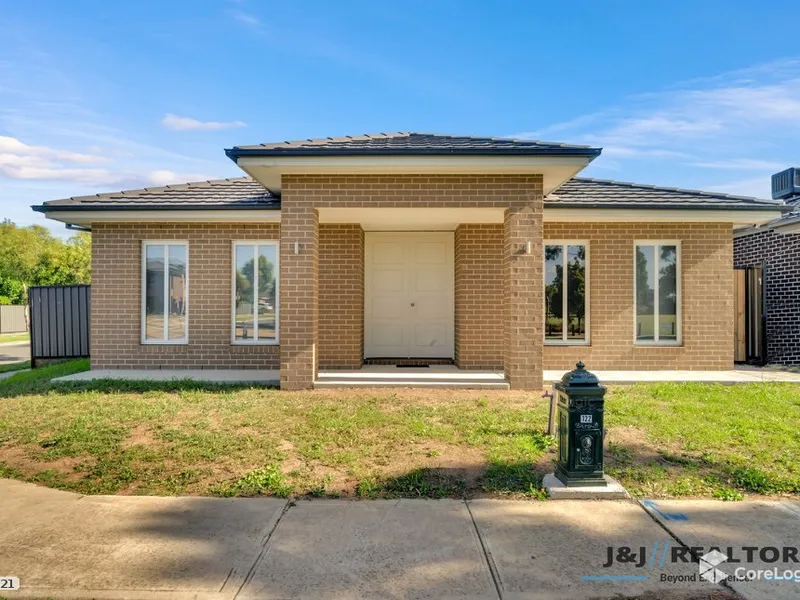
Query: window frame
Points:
[256, 342]
[564, 341]
[678, 341]
[143, 295]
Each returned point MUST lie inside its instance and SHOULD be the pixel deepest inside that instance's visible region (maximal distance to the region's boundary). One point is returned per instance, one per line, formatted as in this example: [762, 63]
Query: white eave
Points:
[87, 217]
[555, 169]
[413, 218]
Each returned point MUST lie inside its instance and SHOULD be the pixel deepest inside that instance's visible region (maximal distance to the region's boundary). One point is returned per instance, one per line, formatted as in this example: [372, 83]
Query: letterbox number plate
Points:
[586, 418]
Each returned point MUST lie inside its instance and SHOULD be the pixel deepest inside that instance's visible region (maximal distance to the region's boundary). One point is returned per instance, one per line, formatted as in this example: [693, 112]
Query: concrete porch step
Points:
[444, 377]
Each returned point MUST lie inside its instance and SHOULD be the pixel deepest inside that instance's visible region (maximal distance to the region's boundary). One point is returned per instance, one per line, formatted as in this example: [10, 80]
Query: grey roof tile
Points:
[585, 192]
[241, 192]
[409, 143]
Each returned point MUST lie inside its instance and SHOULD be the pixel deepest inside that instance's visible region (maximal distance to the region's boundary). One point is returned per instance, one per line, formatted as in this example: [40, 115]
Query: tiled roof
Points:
[409, 143]
[241, 192]
[244, 192]
[601, 193]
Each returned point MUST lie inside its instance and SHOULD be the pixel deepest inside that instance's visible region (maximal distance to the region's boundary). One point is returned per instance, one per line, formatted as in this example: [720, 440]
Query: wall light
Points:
[528, 247]
[297, 247]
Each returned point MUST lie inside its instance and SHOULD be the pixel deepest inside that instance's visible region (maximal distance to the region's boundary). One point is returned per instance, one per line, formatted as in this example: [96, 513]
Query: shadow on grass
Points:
[39, 381]
[122, 386]
[649, 472]
[512, 479]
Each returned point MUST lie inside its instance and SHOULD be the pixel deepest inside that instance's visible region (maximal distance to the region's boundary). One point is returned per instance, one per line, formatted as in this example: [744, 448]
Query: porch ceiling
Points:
[410, 219]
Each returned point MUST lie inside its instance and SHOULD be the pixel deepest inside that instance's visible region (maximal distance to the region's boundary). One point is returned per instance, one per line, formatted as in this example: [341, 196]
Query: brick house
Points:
[769, 260]
[486, 253]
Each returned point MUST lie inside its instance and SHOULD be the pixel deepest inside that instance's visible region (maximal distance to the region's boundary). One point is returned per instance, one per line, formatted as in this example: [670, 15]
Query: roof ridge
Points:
[673, 189]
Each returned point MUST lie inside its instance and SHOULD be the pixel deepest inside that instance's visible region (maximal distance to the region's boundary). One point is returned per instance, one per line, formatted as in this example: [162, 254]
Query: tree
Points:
[33, 256]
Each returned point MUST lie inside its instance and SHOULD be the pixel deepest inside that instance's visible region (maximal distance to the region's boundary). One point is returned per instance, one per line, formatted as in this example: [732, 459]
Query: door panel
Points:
[409, 280]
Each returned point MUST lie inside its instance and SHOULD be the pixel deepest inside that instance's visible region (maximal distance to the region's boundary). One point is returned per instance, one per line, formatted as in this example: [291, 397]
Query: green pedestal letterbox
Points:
[580, 429]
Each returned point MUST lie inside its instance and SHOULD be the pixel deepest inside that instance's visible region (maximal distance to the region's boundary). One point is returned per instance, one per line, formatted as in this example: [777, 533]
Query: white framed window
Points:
[165, 292]
[255, 292]
[566, 292]
[657, 292]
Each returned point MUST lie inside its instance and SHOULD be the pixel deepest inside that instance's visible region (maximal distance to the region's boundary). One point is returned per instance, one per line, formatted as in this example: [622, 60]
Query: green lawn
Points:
[6, 338]
[666, 440]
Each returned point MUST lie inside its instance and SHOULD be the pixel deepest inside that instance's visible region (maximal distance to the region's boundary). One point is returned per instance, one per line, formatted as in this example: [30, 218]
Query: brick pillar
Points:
[299, 295]
[524, 296]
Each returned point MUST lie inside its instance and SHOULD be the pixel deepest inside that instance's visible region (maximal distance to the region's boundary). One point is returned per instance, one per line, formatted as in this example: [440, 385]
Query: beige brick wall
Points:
[707, 297]
[299, 319]
[479, 296]
[116, 298]
[303, 194]
[707, 290]
[341, 296]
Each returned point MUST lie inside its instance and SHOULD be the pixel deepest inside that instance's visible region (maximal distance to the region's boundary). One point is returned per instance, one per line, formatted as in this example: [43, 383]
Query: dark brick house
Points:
[771, 254]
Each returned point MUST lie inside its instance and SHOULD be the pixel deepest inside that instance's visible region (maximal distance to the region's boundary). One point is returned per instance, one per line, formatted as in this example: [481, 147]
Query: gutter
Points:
[46, 208]
[235, 153]
[655, 206]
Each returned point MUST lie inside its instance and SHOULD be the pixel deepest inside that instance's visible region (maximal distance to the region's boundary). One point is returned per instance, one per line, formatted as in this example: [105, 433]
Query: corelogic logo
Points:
[708, 566]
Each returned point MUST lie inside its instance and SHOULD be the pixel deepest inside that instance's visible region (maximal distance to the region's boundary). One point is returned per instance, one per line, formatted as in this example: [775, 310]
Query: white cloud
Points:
[10, 145]
[741, 164]
[246, 19]
[695, 134]
[177, 123]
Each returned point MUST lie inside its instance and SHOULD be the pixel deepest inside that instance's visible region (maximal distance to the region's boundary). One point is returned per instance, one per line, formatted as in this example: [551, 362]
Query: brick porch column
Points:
[524, 296]
[299, 285]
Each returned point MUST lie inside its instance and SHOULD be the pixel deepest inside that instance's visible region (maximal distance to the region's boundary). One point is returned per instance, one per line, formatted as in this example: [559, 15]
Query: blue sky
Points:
[103, 96]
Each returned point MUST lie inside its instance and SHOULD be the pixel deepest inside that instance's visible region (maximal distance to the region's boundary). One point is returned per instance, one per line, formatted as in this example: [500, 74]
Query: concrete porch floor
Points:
[437, 376]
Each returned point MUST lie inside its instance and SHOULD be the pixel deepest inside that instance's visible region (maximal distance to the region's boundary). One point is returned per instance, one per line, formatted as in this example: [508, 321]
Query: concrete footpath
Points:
[62, 545]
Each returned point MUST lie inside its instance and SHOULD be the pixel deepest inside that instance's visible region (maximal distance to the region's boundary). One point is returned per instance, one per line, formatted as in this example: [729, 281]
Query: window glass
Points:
[565, 292]
[645, 292]
[554, 286]
[657, 298]
[668, 293]
[245, 293]
[154, 292]
[176, 328]
[576, 292]
[256, 292]
[165, 292]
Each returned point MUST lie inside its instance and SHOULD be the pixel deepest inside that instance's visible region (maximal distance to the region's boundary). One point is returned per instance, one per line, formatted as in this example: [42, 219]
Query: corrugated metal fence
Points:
[12, 319]
[60, 316]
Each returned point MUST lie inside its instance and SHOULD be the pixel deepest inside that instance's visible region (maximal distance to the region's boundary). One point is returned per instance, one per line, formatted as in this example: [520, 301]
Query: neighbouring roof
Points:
[582, 192]
[409, 143]
[238, 193]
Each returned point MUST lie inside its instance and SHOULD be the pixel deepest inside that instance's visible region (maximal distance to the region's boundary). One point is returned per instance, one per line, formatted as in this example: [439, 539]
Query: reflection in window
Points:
[565, 292]
[165, 292]
[657, 293]
[255, 292]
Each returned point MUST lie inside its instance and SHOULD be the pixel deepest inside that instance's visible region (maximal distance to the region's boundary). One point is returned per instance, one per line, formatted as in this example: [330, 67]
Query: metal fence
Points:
[12, 319]
[60, 317]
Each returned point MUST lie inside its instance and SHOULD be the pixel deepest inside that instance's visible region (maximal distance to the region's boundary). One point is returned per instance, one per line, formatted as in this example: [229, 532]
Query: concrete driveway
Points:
[64, 545]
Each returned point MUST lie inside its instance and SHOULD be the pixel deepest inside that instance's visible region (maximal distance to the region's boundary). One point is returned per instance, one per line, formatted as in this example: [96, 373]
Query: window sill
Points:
[658, 344]
[575, 343]
[164, 342]
[246, 344]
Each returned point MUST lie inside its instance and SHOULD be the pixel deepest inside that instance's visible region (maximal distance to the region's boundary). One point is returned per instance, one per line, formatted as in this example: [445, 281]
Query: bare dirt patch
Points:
[25, 460]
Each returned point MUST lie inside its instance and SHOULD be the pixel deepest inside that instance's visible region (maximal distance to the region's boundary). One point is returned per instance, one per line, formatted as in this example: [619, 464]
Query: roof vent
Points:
[786, 184]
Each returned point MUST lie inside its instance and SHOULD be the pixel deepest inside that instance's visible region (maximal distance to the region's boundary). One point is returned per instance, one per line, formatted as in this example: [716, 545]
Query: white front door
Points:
[408, 285]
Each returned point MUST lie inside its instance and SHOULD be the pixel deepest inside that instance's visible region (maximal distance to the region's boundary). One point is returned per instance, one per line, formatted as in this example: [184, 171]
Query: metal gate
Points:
[60, 317]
